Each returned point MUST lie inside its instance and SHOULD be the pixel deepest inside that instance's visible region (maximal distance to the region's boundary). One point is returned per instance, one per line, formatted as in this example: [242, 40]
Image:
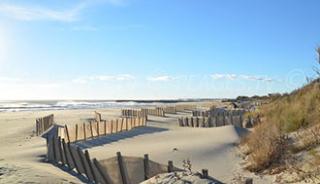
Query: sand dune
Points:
[207, 148]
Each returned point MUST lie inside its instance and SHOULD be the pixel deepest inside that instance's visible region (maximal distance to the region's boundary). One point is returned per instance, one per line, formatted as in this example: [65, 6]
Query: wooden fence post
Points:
[87, 156]
[197, 121]
[192, 123]
[98, 128]
[105, 127]
[145, 120]
[124, 176]
[187, 121]
[170, 166]
[205, 173]
[126, 124]
[65, 153]
[80, 154]
[37, 128]
[67, 132]
[111, 127]
[72, 158]
[103, 174]
[121, 125]
[60, 151]
[146, 166]
[91, 130]
[76, 132]
[84, 131]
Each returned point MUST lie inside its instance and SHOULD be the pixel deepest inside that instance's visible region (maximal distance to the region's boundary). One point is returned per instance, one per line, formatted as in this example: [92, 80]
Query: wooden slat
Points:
[124, 176]
[87, 156]
[104, 176]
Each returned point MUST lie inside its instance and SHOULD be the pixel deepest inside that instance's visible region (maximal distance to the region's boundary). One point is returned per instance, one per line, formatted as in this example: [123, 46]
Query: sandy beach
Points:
[22, 153]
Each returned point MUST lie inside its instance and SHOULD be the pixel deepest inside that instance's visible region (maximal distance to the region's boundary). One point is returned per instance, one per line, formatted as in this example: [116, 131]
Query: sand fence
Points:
[120, 169]
[133, 112]
[62, 152]
[157, 111]
[223, 118]
[93, 129]
[115, 170]
[43, 124]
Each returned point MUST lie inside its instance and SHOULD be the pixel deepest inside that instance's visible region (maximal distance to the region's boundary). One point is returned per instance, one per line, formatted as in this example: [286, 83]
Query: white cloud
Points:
[160, 78]
[40, 13]
[121, 77]
[224, 76]
[241, 77]
[31, 12]
[256, 78]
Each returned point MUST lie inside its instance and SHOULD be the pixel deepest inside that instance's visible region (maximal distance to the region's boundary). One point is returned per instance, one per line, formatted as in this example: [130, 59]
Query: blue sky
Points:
[148, 49]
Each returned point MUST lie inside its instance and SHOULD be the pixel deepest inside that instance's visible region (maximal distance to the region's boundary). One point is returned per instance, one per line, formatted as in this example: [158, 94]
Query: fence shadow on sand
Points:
[108, 139]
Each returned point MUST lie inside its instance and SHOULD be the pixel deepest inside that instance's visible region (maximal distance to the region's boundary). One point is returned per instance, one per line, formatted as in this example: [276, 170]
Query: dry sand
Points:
[22, 154]
[206, 148]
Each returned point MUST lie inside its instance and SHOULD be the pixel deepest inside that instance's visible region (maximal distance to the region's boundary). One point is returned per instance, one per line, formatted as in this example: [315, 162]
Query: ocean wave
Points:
[62, 105]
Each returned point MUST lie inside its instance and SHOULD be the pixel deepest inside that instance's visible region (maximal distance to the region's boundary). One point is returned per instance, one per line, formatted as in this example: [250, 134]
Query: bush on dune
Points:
[266, 145]
[264, 148]
[296, 113]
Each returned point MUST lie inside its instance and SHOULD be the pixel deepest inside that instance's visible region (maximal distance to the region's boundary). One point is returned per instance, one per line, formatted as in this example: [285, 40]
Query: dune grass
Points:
[267, 144]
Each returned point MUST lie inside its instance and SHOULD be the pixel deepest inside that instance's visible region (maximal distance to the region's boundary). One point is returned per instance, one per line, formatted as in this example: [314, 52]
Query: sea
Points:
[16, 106]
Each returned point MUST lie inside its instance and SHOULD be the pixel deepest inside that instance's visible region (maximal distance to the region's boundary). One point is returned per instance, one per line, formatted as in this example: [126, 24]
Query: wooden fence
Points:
[170, 109]
[116, 170]
[43, 124]
[213, 121]
[143, 112]
[158, 111]
[64, 154]
[93, 129]
[97, 116]
[217, 112]
[133, 112]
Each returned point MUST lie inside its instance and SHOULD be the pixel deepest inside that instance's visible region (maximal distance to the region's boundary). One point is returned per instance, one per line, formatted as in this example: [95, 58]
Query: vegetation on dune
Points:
[289, 124]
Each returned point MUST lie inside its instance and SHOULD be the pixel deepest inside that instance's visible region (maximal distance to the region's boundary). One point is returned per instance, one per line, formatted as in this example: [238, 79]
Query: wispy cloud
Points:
[91, 28]
[40, 13]
[224, 76]
[257, 78]
[160, 78]
[121, 77]
[32, 12]
[241, 77]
